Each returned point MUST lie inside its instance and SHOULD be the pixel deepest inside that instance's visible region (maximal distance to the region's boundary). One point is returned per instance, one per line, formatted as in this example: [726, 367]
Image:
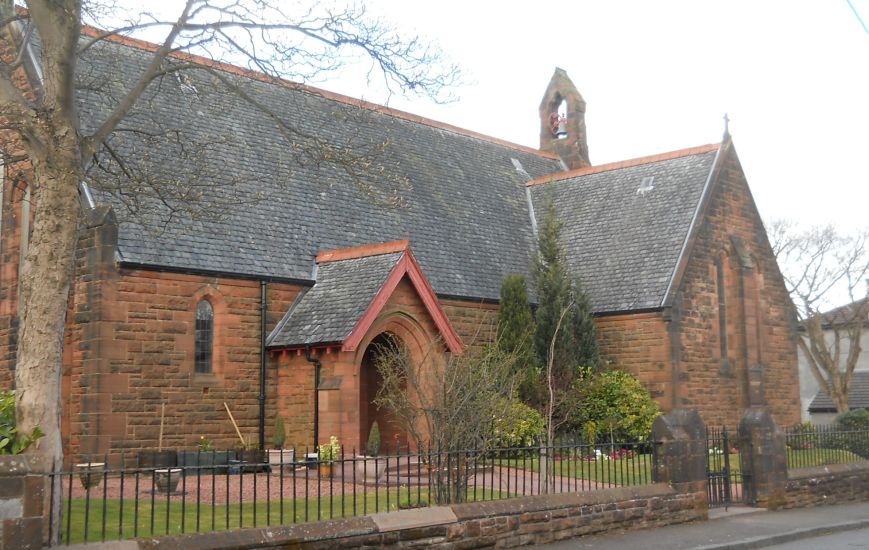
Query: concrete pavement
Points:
[736, 529]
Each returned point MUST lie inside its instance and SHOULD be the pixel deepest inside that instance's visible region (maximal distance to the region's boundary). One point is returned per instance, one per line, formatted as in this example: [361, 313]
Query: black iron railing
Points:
[205, 493]
[810, 445]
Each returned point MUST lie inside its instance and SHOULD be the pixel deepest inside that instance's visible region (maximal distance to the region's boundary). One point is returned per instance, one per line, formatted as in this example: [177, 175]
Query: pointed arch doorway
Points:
[392, 433]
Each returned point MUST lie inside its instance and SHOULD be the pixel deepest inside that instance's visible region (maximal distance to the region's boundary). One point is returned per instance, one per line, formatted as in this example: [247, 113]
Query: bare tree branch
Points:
[821, 267]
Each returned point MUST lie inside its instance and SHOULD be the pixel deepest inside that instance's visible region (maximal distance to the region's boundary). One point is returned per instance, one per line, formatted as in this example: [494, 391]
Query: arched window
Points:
[722, 312]
[204, 336]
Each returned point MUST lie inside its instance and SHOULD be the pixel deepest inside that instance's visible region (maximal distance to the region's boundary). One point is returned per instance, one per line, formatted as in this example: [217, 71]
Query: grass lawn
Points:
[124, 519]
[636, 470]
[806, 458]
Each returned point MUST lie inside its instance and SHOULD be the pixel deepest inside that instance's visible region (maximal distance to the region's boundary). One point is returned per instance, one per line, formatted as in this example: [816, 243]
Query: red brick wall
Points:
[640, 343]
[476, 323]
[758, 312]
[130, 351]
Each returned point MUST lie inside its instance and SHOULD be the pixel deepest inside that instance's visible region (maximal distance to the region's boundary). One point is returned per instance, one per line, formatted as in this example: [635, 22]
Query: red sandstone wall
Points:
[130, 351]
[758, 312]
[476, 323]
[640, 343]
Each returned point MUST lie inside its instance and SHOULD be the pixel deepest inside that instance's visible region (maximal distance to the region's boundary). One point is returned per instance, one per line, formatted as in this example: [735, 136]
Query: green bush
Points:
[12, 442]
[854, 421]
[518, 426]
[372, 446]
[611, 404]
[280, 433]
[804, 436]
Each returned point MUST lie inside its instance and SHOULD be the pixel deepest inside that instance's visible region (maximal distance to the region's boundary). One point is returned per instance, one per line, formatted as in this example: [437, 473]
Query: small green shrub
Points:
[372, 446]
[854, 421]
[330, 451]
[519, 426]
[610, 404]
[804, 436]
[280, 433]
[11, 441]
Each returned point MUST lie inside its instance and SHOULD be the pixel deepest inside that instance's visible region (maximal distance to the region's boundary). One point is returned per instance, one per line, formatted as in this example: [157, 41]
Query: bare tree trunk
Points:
[45, 284]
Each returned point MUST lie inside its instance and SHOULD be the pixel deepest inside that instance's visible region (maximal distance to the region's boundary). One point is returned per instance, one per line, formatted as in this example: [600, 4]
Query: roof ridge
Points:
[670, 155]
[362, 251]
[138, 43]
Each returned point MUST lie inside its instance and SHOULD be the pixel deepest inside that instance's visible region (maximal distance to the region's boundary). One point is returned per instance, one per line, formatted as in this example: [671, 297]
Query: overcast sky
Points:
[793, 75]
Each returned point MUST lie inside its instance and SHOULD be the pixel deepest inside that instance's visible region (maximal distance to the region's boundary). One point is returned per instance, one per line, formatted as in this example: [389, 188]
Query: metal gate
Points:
[726, 482]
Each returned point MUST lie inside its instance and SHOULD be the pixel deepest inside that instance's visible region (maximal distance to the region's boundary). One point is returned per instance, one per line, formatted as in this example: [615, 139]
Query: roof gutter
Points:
[692, 229]
[214, 273]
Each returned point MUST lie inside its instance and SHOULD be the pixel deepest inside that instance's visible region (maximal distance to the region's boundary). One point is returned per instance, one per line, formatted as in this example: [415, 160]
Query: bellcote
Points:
[562, 121]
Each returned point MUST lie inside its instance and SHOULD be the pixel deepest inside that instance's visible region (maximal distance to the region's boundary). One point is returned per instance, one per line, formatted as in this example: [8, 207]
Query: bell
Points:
[561, 133]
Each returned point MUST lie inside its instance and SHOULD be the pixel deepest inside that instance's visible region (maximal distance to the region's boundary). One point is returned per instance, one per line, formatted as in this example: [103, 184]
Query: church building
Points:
[273, 296]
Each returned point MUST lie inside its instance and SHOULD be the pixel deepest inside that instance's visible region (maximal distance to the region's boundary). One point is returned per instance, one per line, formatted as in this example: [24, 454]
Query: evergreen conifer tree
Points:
[576, 342]
[516, 335]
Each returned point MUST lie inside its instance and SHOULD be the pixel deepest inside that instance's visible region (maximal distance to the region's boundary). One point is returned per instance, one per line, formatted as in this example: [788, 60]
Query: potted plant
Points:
[328, 453]
[251, 457]
[166, 479]
[204, 457]
[90, 473]
[368, 466]
[279, 455]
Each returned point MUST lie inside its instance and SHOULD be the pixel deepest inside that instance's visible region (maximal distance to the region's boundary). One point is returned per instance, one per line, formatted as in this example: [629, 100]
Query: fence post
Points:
[24, 487]
[764, 458]
[680, 457]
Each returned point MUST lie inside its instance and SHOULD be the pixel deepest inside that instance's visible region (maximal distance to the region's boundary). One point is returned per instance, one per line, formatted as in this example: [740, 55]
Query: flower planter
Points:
[208, 462]
[157, 459]
[278, 457]
[90, 473]
[325, 469]
[370, 467]
[252, 460]
[166, 479]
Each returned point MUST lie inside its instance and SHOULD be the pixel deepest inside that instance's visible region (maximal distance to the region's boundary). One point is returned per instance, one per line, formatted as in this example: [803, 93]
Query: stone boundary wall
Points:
[833, 484]
[505, 523]
[23, 487]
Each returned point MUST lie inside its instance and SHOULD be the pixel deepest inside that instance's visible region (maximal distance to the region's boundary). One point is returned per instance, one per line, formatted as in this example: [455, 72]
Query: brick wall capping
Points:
[24, 464]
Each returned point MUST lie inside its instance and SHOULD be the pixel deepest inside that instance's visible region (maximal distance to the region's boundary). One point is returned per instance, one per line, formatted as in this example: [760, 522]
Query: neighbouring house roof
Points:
[858, 395]
[625, 224]
[352, 287]
[858, 309]
[458, 197]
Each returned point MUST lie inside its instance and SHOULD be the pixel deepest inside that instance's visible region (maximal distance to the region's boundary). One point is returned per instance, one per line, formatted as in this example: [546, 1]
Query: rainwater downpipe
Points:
[317, 366]
[263, 310]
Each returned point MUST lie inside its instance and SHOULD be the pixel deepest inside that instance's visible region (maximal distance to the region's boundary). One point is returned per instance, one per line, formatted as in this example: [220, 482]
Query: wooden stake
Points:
[162, 414]
[243, 442]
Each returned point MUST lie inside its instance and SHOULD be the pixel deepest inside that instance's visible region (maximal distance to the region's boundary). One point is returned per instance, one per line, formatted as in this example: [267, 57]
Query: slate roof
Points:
[858, 395]
[456, 196]
[465, 213]
[329, 310]
[624, 236]
[847, 313]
